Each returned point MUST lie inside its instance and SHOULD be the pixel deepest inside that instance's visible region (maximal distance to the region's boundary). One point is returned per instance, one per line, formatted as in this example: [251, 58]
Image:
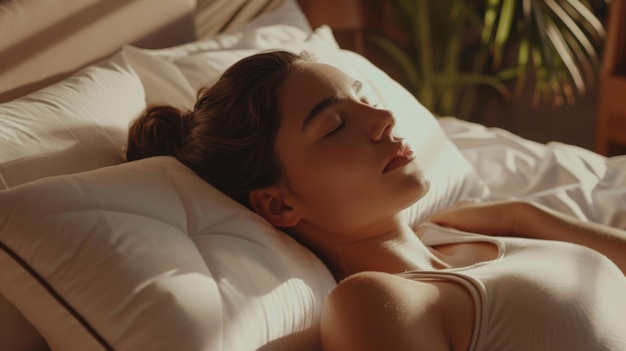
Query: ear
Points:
[269, 203]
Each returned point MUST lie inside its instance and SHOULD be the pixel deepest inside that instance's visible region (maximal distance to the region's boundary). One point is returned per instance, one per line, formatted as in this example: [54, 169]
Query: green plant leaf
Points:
[405, 11]
[586, 19]
[491, 16]
[556, 44]
[505, 22]
[565, 55]
[524, 55]
[587, 64]
[426, 51]
[575, 30]
[449, 94]
[483, 79]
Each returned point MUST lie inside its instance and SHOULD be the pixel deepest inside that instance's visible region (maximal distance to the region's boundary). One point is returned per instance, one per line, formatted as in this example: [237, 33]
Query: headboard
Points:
[42, 42]
[45, 41]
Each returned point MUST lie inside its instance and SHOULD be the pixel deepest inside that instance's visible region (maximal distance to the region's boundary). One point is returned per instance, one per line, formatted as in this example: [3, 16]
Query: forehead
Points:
[309, 83]
[317, 73]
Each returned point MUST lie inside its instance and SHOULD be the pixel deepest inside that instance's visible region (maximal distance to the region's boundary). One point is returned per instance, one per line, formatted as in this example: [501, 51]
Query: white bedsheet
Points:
[566, 178]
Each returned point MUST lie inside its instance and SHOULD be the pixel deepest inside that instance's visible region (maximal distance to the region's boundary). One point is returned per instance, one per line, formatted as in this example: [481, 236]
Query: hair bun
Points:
[159, 131]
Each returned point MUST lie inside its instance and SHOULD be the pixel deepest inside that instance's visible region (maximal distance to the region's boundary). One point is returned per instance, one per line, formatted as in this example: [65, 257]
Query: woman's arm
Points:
[527, 220]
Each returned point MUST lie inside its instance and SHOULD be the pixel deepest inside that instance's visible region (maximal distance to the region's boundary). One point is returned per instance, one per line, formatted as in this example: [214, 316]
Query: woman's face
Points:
[342, 165]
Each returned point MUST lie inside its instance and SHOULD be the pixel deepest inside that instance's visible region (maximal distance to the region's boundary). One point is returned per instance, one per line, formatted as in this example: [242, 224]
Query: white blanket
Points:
[566, 178]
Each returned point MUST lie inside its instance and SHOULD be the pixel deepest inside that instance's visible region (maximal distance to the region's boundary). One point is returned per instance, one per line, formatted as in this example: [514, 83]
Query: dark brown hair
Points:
[228, 139]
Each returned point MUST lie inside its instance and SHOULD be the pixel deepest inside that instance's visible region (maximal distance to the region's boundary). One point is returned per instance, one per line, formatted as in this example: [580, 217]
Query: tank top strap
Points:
[475, 288]
[437, 235]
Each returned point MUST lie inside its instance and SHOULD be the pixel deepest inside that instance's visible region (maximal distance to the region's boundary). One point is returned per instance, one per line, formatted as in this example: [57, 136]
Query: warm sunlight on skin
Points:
[344, 167]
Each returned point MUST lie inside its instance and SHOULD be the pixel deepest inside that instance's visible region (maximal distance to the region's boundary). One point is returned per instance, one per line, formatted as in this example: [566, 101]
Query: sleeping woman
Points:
[299, 143]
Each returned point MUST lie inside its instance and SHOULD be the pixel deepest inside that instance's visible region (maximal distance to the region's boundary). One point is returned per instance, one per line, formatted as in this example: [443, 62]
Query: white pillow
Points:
[147, 256]
[452, 177]
[287, 23]
[204, 68]
[286, 28]
[75, 125]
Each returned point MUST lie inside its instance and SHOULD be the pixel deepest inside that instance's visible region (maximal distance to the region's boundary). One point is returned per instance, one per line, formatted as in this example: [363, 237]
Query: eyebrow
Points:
[326, 103]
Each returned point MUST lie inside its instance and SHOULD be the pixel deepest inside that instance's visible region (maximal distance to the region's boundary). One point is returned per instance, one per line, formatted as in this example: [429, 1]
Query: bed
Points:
[101, 254]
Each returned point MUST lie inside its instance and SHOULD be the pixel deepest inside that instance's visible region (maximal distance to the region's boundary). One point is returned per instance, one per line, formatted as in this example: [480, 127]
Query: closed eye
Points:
[339, 127]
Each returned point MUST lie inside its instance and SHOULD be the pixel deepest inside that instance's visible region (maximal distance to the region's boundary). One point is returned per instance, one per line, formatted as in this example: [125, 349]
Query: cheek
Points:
[343, 192]
[337, 173]
[327, 182]
[326, 185]
[346, 205]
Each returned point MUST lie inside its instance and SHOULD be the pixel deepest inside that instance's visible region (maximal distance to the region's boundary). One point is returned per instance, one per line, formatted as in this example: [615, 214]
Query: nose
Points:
[382, 123]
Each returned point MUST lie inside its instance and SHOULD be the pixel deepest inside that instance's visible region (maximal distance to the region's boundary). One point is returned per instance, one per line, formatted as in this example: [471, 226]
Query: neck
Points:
[394, 248]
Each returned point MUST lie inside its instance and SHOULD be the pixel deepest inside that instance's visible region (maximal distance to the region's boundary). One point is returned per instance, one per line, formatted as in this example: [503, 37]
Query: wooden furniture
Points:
[612, 101]
[345, 17]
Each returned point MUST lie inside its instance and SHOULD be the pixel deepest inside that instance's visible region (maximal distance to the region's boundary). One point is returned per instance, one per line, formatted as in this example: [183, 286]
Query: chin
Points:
[425, 187]
[423, 190]
[418, 188]
[421, 183]
[407, 187]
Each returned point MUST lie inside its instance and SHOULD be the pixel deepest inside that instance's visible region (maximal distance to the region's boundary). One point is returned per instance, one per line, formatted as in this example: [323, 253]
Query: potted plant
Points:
[453, 47]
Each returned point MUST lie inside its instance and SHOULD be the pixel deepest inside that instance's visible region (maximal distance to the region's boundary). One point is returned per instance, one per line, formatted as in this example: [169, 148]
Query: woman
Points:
[297, 142]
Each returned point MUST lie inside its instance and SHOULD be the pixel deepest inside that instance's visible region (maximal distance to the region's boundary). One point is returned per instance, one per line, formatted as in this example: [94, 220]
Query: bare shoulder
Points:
[380, 311]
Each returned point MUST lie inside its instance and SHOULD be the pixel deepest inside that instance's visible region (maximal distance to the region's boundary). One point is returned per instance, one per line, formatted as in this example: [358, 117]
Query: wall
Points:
[572, 124]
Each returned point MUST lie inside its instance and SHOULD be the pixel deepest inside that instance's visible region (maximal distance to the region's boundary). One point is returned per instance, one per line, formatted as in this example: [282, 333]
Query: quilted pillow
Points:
[75, 125]
[147, 256]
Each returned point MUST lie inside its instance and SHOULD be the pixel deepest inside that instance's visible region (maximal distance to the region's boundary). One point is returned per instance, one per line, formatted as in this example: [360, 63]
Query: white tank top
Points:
[538, 295]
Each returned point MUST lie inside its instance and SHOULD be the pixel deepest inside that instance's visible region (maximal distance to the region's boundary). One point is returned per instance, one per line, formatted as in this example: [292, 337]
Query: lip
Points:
[401, 157]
